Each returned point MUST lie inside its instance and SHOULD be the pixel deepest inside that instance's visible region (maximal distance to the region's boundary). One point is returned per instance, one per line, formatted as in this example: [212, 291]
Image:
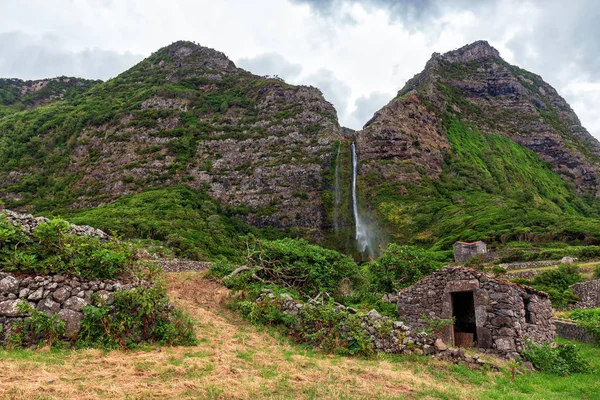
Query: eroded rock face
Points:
[403, 142]
[501, 99]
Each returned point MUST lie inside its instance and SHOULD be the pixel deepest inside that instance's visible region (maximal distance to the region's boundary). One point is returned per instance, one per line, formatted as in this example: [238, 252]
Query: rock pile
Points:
[28, 223]
[57, 294]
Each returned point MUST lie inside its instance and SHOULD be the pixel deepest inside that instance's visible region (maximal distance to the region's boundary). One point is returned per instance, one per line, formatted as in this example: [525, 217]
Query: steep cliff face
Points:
[463, 149]
[184, 115]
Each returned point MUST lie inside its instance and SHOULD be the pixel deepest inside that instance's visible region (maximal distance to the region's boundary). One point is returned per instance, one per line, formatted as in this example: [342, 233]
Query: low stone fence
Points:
[386, 336]
[28, 223]
[571, 331]
[529, 264]
[588, 292]
[182, 265]
[52, 294]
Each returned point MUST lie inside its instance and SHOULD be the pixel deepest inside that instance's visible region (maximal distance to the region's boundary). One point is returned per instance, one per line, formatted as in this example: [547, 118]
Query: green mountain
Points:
[186, 148]
[185, 115]
[475, 148]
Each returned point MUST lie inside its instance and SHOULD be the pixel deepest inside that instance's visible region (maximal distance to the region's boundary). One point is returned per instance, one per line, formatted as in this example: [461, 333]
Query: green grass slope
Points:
[490, 189]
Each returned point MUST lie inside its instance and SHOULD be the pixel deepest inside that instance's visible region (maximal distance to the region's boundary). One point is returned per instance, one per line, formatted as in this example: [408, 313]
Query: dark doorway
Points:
[465, 327]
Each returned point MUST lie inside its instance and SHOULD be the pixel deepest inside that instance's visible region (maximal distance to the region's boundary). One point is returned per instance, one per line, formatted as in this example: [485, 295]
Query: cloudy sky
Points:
[358, 52]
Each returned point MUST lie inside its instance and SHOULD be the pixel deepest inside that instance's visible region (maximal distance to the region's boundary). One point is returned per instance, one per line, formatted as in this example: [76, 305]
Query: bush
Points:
[557, 283]
[400, 266]
[297, 264]
[54, 249]
[321, 326]
[561, 360]
[589, 320]
[140, 315]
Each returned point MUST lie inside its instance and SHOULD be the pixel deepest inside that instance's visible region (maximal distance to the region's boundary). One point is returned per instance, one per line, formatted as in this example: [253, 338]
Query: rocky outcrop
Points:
[404, 142]
[31, 94]
[52, 294]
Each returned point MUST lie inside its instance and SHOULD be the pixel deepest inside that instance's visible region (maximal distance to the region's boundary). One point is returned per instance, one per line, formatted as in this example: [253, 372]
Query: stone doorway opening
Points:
[464, 331]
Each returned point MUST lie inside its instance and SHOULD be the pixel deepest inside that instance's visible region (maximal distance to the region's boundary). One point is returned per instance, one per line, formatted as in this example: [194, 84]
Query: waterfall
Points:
[362, 235]
[336, 192]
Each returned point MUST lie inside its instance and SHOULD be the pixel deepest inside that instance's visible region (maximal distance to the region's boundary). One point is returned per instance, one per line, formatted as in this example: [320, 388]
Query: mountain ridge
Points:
[274, 154]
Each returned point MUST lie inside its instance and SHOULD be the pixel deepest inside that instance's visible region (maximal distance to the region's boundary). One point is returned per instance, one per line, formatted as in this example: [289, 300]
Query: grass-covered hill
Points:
[475, 148]
[188, 149]
[185, 115]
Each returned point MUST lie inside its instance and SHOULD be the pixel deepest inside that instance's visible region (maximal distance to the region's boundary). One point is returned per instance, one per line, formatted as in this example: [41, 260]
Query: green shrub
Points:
[294, 263]
[400, 266]
[136, 316]
[557, 283]
[39, 328]
[589, 319]
[321, 326]
[596, 274]
[53, 249]
[561, 360]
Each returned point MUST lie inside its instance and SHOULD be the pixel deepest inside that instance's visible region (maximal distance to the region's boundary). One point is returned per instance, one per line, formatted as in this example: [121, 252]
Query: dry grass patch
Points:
[234, 360]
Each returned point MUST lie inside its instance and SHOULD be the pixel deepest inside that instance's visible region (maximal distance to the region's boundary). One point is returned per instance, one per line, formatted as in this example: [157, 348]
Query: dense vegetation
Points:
[491, 189]
[557, 283]
[143, 314]
[54, 249]
[279, 270]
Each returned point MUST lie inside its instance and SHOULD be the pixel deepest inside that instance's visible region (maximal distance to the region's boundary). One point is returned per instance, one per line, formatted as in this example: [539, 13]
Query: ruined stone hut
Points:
[463, 251]
[491, 314]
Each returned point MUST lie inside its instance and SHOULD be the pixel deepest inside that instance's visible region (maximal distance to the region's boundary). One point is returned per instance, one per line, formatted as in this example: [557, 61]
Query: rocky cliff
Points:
[186, 115]
[472, 148]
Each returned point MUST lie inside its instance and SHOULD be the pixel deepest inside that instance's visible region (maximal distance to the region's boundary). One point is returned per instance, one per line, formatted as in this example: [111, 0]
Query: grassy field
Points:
[237, 360]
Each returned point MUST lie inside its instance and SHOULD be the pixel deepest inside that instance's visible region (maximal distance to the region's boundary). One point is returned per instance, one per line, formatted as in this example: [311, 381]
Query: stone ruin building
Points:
[463, 251]
[491, 314]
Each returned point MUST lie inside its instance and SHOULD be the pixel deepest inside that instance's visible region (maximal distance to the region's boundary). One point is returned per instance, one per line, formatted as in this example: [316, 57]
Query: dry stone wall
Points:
[176, 265]
[589, 293]
[571, 331]
[52, 294]
[385, 335]
[28, 223]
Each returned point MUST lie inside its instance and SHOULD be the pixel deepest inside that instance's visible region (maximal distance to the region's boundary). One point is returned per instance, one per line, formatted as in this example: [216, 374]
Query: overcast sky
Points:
[358, 52]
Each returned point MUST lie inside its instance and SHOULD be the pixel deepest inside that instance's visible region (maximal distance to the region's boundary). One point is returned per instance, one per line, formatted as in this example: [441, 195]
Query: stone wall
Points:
[589, 293]
[571, 331]
[52, 294]
[386, 336]
[176, 265]
[28, 223]
[528, 264]
[505, 313]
